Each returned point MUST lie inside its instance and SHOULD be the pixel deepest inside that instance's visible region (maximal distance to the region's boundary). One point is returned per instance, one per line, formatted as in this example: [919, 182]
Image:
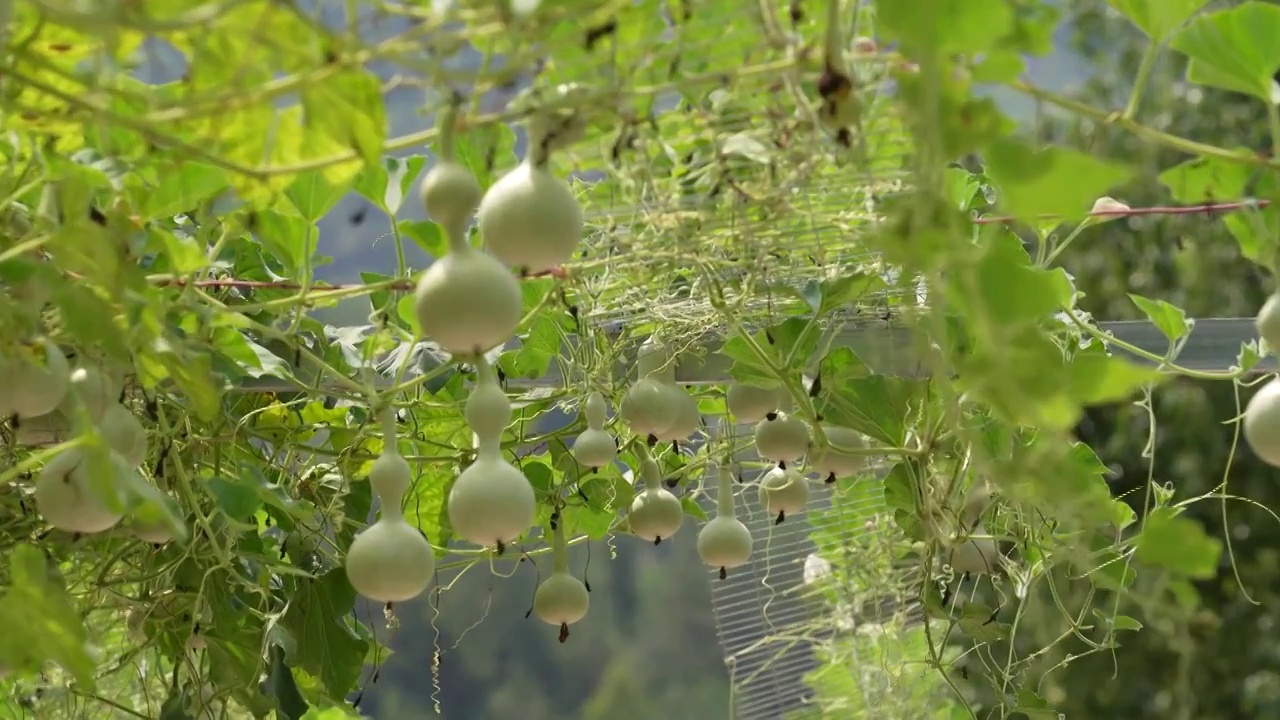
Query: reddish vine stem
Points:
[1205, 208]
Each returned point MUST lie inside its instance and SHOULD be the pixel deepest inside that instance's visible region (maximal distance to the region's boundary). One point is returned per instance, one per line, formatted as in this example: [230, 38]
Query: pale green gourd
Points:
[38, 379]
[838, 458]
[782, 437]
[69, 499]
[467, 302]
[390, 476]
[529, 218]
[124, 433]
[1261, 426]
[491, 503]
[647, 408]
[656, 514]
[1268, 322]
[594, 447]
[750, 404]
[561, 599]
[783, 492]
[724, 542]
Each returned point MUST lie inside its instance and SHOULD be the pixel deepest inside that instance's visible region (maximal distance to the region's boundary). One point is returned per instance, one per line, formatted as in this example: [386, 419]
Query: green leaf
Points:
[314, 195]
[1205, 179]
[290, 704]
[348, 108]
[387, 184]
[39, 623]
[1170, 318]
[1011, 290]
[1179, 544]
[795, 338]
[840, 292]
[326, 645]
[693, 509]
[948, 26]
[290, 239]
[1055, 181]
[184, 252]
[1158, 18]
[538, 348]
[1257, 233]
[181, 190]
[1236, 49]
[977, 620]
[236, 497]
[999, 67]
[428, 235]
[1096, 379]
[485, 148]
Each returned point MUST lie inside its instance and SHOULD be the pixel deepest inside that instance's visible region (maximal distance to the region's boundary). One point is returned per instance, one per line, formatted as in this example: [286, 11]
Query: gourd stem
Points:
[389, 436]
[457, 237]
[649, 472]
[724, 500]
[559, 549]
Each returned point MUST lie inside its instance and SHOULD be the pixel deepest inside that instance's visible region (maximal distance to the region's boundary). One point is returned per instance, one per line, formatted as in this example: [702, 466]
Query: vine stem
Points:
[1140, 80]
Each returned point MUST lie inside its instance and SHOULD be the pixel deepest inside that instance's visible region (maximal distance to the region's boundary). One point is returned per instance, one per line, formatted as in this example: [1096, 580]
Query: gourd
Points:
[93, 389]
[976, 554]
[1268, 322]
[157, 533]
[491, 503]
[38, 385]
[529, 218]
[594, 447]
[70, 500]
[724, 542]
[561, 599]
[685, 416]
[783, 492]
[1261, 424]
[390, 561]
[467, 302]
[834, 461]
[750, 403]
[649, 408]
[390, 476]
[450, 194]
[124, 433]
[48, 429]
[840, 107]
[782, 437]
[655, 512]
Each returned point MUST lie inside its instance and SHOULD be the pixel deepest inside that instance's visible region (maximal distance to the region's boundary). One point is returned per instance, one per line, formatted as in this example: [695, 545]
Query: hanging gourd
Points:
[491, 503]
[37, 379]
[655, 513]
[561, 599]
[976, 554]
[750, 404]
[724, 542]
[839, 458]
[685, 414]
[69, 499]
[784, 492]
[649, 408]
[467, 302]
[594, 447]
[390, 561]
[529, 218]
[781, 437]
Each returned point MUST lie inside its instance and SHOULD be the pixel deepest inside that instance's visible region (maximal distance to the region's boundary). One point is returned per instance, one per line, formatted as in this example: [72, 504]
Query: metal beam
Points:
[1213, 345]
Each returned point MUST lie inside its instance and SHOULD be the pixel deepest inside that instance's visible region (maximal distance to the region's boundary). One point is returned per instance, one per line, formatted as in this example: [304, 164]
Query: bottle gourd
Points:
[530, 219]
[655, 513]
[561, 599]
[750, 403]
[724, 542]
[491, 503]
[685, 417]
[467, 302]
[783, 492]
[647, 408]
[594, 447]
[837, 459]
[390, 561]
[781, 437]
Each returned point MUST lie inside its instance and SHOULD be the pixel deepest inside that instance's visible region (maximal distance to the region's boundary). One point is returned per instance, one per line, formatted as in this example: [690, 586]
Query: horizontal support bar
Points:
[1213, 345]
